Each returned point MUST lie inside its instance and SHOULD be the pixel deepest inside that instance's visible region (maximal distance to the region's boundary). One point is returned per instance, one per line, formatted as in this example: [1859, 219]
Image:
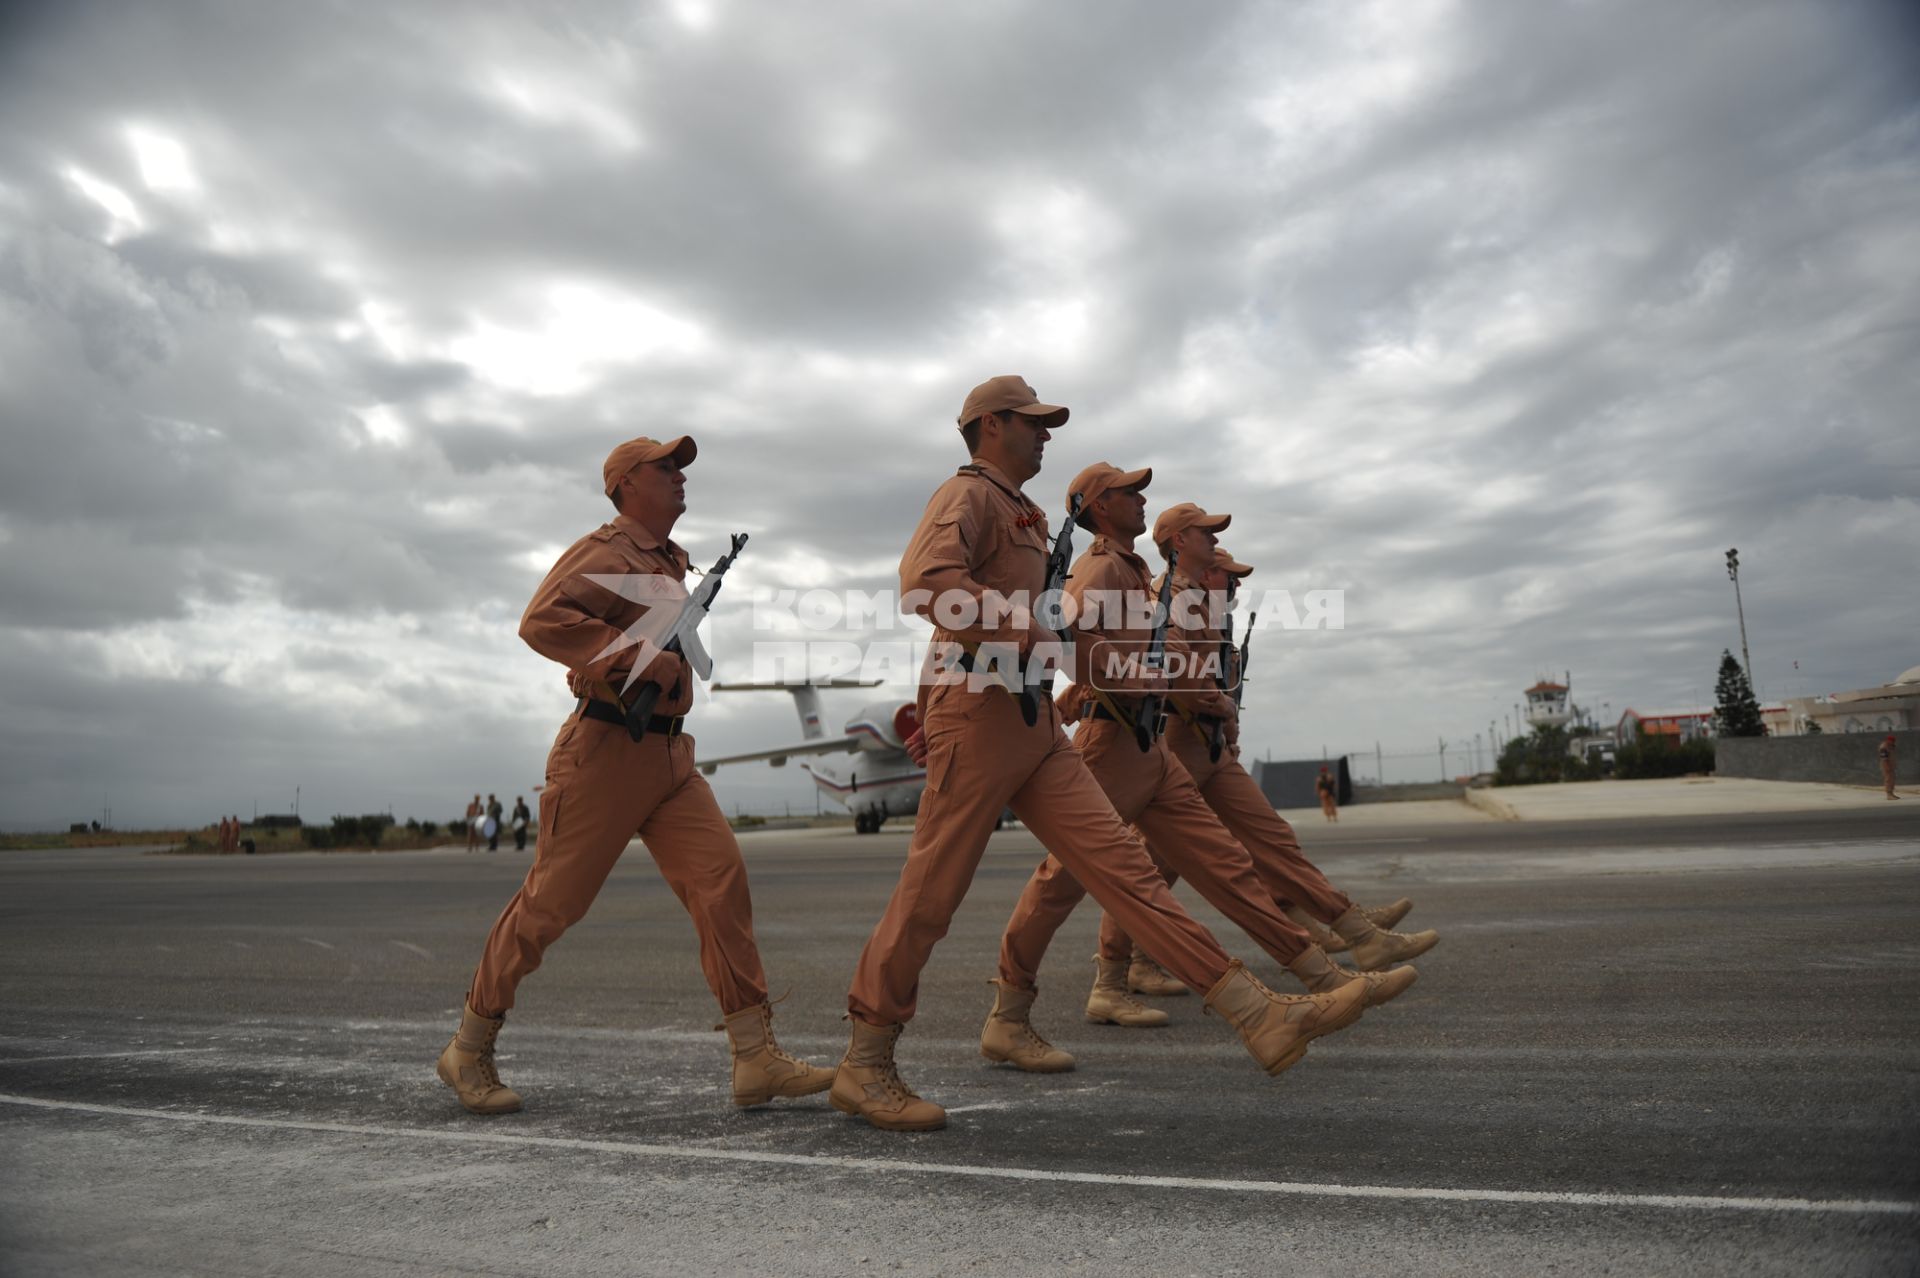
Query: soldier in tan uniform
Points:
[1204, 734]
[976, 567]
[1118, 706]
[603, 787]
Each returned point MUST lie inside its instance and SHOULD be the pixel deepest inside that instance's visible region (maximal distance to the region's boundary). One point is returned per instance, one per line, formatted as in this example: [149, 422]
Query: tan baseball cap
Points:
[1185, 515]
[1103, 477]
[1228, 564]
[636, 452]
[1009, 394]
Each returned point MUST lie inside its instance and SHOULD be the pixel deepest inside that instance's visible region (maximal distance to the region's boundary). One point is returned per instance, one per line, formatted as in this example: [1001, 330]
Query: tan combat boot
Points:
[1144, 976]
[1313, 969]
[868, 1084]
[1009, 1037]
[1375, 947]
[467, 1066]
[1388, 915]
[1276, 1027]
[761, 1071]
[1111, 1003]
[1314, 928]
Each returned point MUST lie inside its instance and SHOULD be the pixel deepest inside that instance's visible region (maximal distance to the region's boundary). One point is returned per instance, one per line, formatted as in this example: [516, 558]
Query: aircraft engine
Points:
[885, 725]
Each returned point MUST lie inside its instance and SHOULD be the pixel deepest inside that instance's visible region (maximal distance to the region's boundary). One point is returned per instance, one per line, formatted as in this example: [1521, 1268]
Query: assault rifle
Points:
[1239, 691]
[682, 638]
[1048, 612]
[1146, 719]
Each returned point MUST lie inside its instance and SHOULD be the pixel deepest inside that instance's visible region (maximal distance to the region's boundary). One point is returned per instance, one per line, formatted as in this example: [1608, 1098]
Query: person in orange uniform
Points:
[1329, 795]
[1887, 762]
[1116, 703]
[603, 787]
[975, 567]
[1204, 734]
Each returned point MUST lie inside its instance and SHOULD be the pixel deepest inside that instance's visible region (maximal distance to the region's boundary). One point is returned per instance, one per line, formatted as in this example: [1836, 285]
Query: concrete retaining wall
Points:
[1290, 783]
[1838, 758]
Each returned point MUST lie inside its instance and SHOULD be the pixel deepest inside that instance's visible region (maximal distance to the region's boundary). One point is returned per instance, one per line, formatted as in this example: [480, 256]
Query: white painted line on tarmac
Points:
[409, 946]
[892, 1167]
[308, 940]
[103, 1056]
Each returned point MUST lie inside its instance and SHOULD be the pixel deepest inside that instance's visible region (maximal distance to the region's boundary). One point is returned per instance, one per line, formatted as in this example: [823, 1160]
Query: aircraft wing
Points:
[780, 754]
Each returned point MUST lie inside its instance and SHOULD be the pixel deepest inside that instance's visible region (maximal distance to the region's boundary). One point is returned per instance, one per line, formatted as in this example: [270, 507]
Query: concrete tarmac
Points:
[1684, 1044]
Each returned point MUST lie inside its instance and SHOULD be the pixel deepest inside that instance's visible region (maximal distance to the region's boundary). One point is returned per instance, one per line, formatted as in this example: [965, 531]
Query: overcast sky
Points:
[317, 320]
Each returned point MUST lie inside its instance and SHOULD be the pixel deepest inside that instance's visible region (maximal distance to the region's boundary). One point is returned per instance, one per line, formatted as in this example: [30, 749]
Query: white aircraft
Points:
[875, 779]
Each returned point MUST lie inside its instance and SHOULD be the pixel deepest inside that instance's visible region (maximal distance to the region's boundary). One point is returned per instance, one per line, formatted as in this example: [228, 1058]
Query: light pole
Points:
[1733, 575]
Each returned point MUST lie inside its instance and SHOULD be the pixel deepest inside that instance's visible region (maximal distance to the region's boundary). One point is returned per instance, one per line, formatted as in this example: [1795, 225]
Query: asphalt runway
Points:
[1649, 1047]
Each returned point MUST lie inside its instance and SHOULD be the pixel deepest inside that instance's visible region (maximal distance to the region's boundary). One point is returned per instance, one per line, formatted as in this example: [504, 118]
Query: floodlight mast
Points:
[1733, 574]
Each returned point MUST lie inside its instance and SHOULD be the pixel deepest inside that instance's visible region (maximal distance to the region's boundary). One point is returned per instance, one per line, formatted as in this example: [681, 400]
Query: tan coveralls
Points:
[981, 536]
[603, 787]
[1148, 788]
[1233, 795]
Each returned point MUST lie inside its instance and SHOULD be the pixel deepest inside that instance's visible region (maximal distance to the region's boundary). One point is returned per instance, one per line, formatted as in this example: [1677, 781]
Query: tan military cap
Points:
[636, 452]
[1228, 564]
[1101, 478]
[1009, 394]
[1185, 515]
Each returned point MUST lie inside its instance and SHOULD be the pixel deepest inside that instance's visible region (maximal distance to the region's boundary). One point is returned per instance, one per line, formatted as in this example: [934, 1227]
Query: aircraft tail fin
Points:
[806, 697]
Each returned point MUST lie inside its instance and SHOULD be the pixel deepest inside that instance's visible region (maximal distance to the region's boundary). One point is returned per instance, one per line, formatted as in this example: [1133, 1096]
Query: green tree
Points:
[1661, 756]
[1735, 712]
[1540, 756]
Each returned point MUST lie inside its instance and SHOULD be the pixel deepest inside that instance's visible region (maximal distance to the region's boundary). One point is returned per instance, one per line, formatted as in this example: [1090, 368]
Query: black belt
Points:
[593, 708]
[1099, 711]
[1028, 698]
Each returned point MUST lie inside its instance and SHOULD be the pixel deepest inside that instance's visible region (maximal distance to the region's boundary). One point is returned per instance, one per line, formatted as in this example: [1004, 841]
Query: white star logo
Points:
[667, 608]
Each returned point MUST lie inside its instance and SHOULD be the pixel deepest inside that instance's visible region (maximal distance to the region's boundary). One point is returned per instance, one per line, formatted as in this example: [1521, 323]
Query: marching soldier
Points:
[603, 786]
[1118, 706]
[1886, 753]
[976, 566]
[1204, 735]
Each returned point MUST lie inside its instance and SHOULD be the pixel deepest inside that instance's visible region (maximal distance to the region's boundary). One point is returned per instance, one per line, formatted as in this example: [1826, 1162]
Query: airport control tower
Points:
[1549, 704]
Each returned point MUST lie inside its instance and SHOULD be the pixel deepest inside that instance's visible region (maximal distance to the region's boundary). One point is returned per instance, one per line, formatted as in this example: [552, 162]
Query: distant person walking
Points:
[1329, 795]
[473, 823]
[495, 810]
[1887, 749]
[226, 835]
[521, 816]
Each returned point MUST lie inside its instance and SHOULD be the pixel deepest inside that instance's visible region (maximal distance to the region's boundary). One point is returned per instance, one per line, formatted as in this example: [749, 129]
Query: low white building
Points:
[1891, 707]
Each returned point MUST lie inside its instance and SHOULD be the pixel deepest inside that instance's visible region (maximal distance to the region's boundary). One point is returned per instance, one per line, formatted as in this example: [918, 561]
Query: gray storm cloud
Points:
[1507, 320]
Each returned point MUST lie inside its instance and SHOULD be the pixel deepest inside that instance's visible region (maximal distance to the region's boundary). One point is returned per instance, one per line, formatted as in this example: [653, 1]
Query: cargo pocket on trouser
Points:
[940, 765]
[549, 826]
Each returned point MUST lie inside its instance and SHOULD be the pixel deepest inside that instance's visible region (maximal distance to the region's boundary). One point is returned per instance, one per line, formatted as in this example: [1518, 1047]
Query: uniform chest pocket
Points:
[1028, 537]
